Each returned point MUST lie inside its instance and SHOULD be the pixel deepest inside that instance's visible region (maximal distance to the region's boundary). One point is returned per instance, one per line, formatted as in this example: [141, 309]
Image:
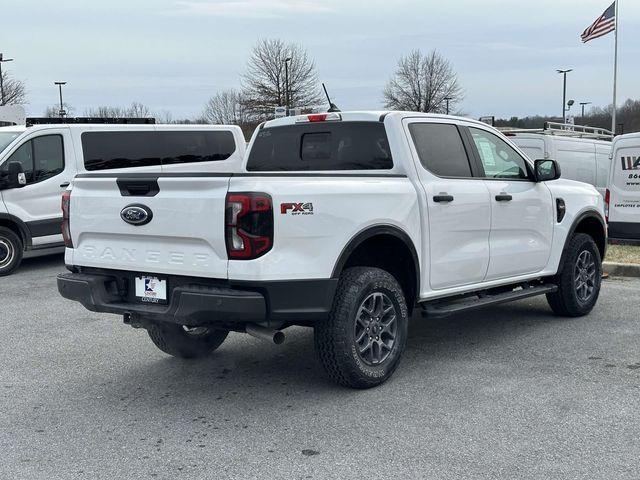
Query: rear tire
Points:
[185, 342]
[361, 343]
[580, 279]
[11, 251]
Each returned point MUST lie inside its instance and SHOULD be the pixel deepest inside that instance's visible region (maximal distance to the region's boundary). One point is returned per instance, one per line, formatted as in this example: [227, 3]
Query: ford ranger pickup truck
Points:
[346, 222]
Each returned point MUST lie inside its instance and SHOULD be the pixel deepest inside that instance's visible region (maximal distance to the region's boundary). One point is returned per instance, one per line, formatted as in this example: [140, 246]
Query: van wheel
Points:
[580, 280]
[362, 341]
[11, 251]
[186, 342]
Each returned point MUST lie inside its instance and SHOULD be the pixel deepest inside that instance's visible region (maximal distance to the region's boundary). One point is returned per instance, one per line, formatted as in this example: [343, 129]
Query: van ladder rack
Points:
[88, 120]
[564, 130]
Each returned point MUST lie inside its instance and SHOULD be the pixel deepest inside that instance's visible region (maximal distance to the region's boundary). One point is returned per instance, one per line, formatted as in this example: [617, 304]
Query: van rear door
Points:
[624, 187]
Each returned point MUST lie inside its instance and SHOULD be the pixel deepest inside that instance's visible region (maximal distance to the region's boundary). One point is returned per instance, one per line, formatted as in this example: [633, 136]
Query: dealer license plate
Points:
[151, 289]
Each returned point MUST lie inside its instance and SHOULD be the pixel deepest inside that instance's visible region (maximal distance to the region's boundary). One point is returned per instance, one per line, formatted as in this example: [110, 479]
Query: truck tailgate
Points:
[185, 233]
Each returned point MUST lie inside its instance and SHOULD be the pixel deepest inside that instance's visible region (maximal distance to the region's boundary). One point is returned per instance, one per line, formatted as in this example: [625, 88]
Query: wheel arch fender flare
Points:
[374, 231]
[574, 226]
[23, 230]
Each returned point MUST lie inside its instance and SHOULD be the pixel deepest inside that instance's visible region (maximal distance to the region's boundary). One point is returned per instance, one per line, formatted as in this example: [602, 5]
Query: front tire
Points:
[580, 279]
[361, 343]
[185, 342]
[11, 251]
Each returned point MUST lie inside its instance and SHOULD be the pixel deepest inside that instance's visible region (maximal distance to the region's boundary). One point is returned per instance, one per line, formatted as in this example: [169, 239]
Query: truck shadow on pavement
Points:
[245, 369]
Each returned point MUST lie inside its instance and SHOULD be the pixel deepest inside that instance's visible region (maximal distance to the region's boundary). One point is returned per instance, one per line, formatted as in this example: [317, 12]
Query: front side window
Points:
[41, 158]
[498, 158]
[24, 156]
[440, 149]
[48, 157]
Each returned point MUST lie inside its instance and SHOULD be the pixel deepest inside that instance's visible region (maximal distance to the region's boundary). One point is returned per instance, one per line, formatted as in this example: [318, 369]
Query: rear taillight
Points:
[248, 225]
[66, 233]
[607, 200]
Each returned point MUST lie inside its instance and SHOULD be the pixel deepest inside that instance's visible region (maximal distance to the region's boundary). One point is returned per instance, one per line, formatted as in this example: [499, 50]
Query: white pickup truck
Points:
[345, 222]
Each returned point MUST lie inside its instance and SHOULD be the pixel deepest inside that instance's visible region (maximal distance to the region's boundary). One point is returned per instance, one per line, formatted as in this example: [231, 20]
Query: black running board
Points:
[443, 309]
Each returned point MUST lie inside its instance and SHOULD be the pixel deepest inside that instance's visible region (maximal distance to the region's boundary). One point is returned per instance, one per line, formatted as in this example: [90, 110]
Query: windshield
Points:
[6, 138]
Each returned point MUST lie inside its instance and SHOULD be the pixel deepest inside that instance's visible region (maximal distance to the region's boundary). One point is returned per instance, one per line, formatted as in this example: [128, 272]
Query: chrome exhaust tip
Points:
[264, 333]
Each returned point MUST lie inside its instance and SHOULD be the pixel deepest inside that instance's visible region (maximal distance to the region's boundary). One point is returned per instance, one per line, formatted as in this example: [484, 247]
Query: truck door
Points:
[48, 162]
[458, 214]
[522, 212]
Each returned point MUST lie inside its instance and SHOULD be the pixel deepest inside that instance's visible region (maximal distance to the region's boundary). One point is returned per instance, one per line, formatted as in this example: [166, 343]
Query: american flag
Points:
[604, 24]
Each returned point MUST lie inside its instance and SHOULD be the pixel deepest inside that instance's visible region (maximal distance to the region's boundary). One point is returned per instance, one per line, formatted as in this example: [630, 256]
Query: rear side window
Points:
[440, 149]
[321, 146]
[109, 150]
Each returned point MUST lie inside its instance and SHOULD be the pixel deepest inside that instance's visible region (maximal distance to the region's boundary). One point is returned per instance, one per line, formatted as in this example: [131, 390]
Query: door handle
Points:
[443, 198]
[503, 197]
[64, 185]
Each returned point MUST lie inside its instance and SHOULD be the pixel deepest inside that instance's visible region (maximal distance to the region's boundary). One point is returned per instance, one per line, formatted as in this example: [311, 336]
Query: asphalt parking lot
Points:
[509, 392]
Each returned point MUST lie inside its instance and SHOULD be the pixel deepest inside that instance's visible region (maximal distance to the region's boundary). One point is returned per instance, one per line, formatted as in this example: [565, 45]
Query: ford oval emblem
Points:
[136, 215]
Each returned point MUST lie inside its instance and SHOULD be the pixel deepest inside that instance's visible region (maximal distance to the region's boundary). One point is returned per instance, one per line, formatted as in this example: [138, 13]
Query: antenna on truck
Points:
[332, 106]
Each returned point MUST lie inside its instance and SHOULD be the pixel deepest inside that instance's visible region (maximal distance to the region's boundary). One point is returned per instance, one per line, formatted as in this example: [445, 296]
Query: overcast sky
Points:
[174, 54]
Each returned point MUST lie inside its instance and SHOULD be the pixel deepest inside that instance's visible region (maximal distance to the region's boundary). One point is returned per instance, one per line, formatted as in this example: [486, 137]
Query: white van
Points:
[582, 152]
[623, 196]
[38, 162]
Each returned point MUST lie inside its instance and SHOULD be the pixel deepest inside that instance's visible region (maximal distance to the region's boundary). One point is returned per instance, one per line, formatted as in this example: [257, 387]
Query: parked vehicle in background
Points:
[37, 163]
[582, 152]
[341, 221]
[623, 195]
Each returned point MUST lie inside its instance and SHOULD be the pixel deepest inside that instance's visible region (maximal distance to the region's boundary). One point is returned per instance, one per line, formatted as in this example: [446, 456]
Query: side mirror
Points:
[547, 170]
[16, 177]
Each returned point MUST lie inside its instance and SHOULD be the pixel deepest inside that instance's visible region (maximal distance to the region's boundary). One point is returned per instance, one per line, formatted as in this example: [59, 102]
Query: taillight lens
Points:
[607, 200]
[66, 233]
[248, 225]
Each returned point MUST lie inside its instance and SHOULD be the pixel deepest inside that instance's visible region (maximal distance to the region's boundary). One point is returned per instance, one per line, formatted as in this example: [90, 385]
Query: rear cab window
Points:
[109, 150]
[322, 146]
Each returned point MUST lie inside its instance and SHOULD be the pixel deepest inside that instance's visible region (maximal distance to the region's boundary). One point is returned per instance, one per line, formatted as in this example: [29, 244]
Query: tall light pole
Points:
[62, 113]
[286, 83]
[2, 60]
[446, 99]
[564, 93]
[583, 104]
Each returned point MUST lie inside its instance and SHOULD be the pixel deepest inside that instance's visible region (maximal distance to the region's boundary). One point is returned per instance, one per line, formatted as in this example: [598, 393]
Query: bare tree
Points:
[14, 90]
[163, 117]
[138, 110]
[135, 110]
[265, 79]
[423, 83]
[53, 111]
[226, 108]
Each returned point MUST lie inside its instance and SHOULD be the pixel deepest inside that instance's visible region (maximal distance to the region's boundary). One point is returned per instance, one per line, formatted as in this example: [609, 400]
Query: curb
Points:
[621, 269]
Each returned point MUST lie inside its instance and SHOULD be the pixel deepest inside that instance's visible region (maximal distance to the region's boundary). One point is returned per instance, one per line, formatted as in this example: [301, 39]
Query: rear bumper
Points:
[624, 232]
[197, 301]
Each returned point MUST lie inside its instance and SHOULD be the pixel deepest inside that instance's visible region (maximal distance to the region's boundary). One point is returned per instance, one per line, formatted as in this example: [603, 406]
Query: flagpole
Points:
[615, 75]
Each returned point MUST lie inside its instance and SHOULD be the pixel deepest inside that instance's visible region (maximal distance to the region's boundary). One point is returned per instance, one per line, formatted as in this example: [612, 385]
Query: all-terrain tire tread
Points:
[331, 336]
[564, 302]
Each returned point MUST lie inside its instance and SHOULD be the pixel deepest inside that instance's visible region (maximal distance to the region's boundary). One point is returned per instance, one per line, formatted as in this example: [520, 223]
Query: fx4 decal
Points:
[296, 208]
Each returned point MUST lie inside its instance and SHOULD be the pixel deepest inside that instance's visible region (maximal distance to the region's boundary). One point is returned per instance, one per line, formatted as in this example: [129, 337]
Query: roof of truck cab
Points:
[370, 116]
